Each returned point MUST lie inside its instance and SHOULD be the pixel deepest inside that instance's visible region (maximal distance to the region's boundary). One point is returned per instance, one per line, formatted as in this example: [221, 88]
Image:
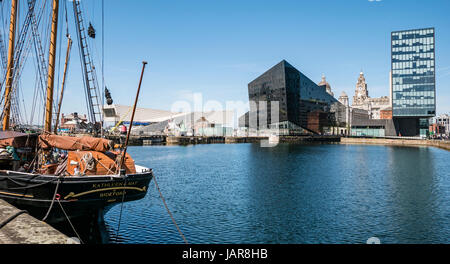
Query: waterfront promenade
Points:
[196, 140]
[171, 140]
[397, 142]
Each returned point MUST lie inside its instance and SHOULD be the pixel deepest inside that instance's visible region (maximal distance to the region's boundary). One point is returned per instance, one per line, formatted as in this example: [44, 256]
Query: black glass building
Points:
[295, 95]
[413, 80]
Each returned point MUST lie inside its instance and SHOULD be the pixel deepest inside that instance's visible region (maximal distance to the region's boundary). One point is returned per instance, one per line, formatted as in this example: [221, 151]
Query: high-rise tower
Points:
[413, 80]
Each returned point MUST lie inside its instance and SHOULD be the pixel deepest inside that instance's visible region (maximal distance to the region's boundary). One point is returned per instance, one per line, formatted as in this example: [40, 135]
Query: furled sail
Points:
[74, 143]
[17, 139]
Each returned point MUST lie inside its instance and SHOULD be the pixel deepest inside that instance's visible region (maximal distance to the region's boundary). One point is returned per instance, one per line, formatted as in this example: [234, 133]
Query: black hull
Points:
[80, 197]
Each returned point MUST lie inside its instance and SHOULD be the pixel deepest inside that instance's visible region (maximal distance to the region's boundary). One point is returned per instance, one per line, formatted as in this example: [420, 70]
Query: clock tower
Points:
[361, 92]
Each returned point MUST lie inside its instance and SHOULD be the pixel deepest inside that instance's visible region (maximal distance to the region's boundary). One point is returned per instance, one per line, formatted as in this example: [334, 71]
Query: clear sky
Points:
[216, 47]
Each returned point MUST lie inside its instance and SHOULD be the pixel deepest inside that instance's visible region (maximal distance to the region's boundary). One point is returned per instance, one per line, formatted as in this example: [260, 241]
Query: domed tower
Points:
[327, 85]
[361, 92]
[343, 99]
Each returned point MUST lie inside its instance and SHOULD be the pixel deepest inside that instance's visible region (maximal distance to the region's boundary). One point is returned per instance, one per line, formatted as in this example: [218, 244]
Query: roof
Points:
[280, 67]
[324, 82]
[72, 122]
[225, 118]
[412, 30]
[116, 112]
[72, 116]
[344, 94]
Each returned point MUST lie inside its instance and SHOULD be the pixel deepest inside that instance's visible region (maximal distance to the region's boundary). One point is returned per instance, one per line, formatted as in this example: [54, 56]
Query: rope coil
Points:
[89, 162]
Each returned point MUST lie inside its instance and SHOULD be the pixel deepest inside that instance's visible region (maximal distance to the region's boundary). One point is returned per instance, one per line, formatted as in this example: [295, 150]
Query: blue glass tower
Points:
[413, 80]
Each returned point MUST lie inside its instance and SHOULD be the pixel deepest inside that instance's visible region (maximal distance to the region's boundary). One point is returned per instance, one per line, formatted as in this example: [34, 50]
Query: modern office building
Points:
[413, 80]
[296, 96]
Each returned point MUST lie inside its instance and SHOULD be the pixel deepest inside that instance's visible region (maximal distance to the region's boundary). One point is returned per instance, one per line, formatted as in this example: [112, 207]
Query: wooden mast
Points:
[69, 45]
[51, 68]
[124, 153]
[10, 66]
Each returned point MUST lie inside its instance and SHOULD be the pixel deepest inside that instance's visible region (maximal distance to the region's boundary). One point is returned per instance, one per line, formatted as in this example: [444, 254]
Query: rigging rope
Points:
[23, 46]
[103, 59]
[70, 222]
[121, 209]
[168, 211]
[53, 200]
[61, 15]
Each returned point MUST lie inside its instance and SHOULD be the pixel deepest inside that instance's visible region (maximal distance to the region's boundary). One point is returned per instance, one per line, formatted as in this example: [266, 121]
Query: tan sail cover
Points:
[104, 165]
[74, 143]
[17, 140]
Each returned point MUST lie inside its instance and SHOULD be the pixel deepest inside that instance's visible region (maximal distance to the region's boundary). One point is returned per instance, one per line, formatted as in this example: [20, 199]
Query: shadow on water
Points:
[90, 230]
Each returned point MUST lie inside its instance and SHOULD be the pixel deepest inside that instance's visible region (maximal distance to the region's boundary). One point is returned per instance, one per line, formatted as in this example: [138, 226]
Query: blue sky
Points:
[217, 47]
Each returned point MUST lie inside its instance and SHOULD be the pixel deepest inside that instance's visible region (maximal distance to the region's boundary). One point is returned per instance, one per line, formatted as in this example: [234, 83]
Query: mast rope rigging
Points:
[23, 44]
[41, 66]
[61, 14]
[168, 210]
[29, 40]
[60, 94]
[40, 55]
[88, 68]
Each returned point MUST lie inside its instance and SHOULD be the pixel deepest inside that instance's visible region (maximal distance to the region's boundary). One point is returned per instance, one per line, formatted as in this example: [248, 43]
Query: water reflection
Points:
[290, 194]
[415, 207]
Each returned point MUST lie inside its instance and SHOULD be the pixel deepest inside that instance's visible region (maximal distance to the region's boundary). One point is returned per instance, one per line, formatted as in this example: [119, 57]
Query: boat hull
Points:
[76, 197]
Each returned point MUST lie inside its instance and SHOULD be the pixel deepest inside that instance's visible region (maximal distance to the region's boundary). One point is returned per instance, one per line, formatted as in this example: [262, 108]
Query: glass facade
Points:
[368, 132]
[413, 73]
[295, 93]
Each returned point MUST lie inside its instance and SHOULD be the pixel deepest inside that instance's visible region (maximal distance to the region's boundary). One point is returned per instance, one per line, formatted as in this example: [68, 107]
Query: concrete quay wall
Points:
[238, 140]
[25, 229]
[398, 142]
[310, 139]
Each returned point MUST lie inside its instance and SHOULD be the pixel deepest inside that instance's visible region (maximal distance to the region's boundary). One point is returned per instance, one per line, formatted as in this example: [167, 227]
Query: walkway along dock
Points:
[17, 227]
[397, 142]
[171, 140]
[195, 140]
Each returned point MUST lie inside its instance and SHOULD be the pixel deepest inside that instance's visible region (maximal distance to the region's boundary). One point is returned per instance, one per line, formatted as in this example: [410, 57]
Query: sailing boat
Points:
[59, 178]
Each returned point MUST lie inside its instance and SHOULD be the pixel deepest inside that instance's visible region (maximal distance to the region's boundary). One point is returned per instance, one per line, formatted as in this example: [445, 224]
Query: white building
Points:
[443, 120]
[214, 123]
[122, 113]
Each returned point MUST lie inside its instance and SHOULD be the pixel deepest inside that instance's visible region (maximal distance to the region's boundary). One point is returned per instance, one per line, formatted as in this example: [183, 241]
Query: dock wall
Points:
[398, 142]
[194, 140]
[25, 229]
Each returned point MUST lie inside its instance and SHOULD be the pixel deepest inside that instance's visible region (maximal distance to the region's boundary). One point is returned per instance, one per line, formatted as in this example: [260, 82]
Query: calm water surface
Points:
[290, 194]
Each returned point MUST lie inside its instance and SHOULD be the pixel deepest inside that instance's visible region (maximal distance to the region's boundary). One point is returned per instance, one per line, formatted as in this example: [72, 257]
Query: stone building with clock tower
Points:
[362, 100]
[361, 92]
